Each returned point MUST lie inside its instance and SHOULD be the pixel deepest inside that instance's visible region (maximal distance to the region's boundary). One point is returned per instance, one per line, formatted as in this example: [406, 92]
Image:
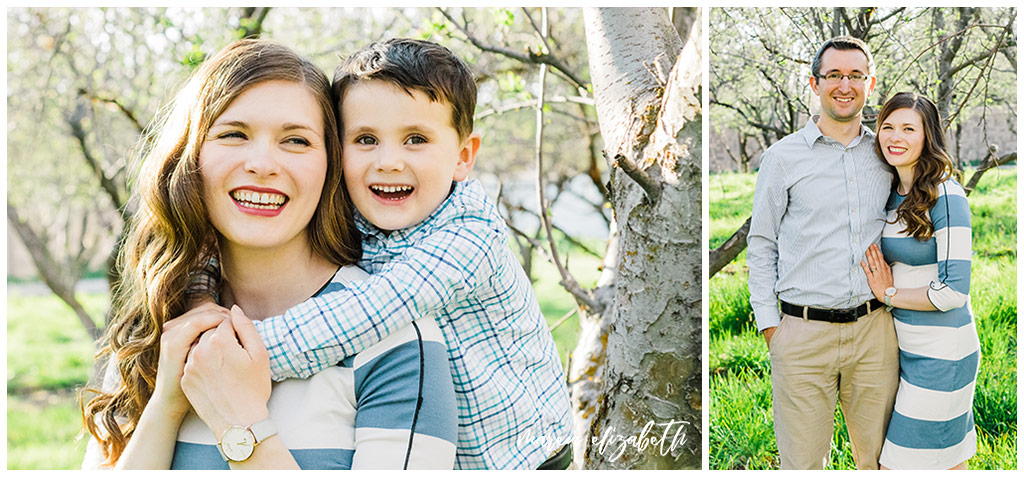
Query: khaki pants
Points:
[812, 363]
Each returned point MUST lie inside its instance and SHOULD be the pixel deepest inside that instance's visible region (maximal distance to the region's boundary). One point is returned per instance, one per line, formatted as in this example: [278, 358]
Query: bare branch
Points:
[649, 185]
[575, 242]
[568, 282]
[991, 57]
[990, 163]
[74, 120]
[728, 251]
[762, 126]
[516, 105]
[52, 273]
[128, 113]
[913, 61]
[890, 15]
[530, 57]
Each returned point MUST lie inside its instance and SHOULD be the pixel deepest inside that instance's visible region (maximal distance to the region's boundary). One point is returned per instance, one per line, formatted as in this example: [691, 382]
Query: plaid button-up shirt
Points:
[456, 267]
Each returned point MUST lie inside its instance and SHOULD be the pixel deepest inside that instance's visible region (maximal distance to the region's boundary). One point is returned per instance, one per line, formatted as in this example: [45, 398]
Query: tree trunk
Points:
[636, 373]
[62, 284]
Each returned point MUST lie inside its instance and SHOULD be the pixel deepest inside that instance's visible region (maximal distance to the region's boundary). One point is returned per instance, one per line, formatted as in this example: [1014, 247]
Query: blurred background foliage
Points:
[963, 58]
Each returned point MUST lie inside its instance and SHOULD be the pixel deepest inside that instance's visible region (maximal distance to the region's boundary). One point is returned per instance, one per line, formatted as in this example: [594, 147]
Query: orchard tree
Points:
[963, 58]
[638, 359]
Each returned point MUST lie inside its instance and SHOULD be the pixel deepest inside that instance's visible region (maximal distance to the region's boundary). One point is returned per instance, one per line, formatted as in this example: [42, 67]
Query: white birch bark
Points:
[637, 364]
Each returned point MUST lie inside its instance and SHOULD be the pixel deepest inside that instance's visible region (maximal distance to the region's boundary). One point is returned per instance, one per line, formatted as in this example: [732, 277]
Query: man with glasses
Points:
[818, 204]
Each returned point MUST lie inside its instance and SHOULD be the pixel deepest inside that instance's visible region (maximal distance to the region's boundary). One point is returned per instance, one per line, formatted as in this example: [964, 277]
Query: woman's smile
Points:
[258, 201]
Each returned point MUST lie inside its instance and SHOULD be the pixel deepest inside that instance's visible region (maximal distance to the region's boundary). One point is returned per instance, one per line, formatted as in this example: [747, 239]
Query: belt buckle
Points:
[848, 315]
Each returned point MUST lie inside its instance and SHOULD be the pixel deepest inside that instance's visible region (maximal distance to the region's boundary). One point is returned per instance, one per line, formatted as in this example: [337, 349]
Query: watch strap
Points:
[263, 430]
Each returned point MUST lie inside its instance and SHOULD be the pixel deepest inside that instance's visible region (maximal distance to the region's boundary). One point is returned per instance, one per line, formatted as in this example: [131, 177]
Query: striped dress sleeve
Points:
[951, 217]
[405, 402]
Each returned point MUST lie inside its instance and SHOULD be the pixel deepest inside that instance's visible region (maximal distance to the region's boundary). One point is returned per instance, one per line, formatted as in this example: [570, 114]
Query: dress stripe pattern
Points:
[932, 426]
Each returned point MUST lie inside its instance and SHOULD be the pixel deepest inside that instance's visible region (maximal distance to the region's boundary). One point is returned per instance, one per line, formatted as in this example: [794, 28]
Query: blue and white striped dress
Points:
[932, 425]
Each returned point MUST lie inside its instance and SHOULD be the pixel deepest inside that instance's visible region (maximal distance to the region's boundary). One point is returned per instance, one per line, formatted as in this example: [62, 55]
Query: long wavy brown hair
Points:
[170, 235]
[931, 169]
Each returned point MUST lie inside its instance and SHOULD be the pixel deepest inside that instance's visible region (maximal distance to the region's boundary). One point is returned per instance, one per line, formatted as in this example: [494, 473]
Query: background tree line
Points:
[599, 104]
[964, 59]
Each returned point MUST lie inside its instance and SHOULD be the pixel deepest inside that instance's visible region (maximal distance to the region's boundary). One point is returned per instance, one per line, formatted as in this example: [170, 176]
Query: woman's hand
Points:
[227, 379]
[878, 272]
[152, 444]
[177, 338]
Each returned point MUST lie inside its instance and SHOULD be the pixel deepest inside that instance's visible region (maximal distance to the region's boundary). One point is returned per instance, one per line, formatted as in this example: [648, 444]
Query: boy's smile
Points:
[400, 153]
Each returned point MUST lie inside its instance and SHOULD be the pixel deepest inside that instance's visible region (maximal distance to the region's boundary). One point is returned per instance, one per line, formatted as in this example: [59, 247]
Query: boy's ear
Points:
[467, 156]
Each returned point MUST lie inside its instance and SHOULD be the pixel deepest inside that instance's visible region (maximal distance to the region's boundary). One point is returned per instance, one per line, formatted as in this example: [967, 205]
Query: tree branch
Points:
[649, 185]
[728, 251]
[568, 282]
[762, 126]
[74, 120]
[575, 242]
[991, 57]
[530, 57]
[990, 163]
[56, 277]
[128, 113]
[516, 105]
[252, 21]
[913, 61]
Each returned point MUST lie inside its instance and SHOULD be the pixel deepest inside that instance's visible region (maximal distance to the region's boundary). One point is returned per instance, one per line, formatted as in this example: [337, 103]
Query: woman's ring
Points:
[873, 270]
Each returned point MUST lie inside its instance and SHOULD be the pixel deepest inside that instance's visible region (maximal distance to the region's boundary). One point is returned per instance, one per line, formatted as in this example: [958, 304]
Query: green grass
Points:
[43, 434]
[47, 347]
[741, 432]
[49, 357]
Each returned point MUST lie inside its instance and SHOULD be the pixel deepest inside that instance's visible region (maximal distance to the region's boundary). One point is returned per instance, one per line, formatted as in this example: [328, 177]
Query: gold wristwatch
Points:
[238, 443]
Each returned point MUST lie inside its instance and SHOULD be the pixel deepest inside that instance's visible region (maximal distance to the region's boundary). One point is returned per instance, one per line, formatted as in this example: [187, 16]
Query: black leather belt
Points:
[846, 315]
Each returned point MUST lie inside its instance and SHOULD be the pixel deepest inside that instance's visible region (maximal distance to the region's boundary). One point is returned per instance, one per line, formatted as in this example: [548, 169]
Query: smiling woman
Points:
[247, 166]
[264, 156]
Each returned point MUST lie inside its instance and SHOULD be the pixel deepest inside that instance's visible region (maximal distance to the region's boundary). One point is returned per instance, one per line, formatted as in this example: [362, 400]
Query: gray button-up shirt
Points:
[818, 205]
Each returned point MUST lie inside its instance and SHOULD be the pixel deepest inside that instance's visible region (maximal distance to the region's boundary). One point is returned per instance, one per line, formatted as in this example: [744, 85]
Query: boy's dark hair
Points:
[842, 43]
[413, 65]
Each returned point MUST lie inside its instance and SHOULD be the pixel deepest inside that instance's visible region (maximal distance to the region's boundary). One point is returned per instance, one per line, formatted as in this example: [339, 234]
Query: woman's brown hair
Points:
[170, 235]
[931, 169]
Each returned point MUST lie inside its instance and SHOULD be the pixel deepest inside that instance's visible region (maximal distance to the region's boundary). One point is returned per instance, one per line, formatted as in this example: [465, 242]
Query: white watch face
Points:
[237, 443]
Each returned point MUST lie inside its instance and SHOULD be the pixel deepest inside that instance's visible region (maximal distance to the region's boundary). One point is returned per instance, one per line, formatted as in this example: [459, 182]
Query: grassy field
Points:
[741, 432]
[49, 357]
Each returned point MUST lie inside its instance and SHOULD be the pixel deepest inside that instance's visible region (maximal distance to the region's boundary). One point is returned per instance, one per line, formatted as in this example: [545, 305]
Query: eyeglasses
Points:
[835, 77]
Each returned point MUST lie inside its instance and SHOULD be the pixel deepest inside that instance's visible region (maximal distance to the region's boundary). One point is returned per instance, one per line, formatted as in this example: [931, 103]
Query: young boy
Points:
[436, 246]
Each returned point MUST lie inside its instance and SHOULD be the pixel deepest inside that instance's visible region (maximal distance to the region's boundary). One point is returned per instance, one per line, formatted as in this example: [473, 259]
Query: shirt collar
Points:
[811, 133]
